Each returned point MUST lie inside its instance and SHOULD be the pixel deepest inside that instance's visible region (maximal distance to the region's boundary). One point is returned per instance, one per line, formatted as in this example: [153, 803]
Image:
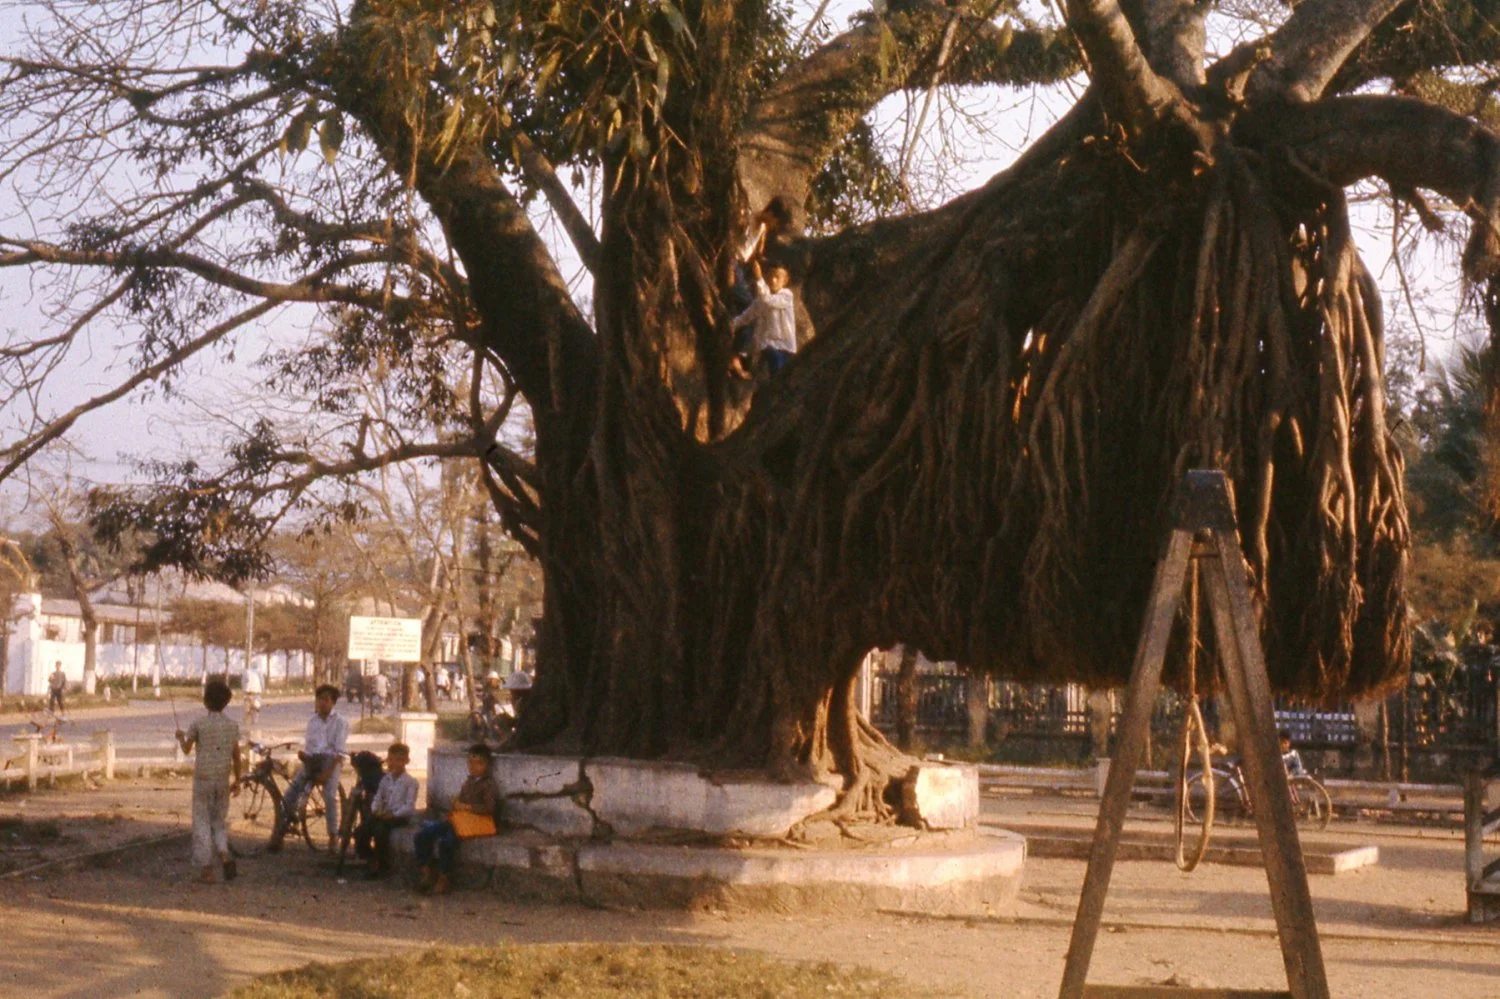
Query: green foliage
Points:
[209, 621]
[97, 561]
[1446, 481]
[1454, 582]
[855, 186]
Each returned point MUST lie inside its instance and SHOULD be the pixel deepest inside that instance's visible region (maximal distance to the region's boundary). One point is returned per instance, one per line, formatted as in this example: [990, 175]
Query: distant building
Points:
[44, 631]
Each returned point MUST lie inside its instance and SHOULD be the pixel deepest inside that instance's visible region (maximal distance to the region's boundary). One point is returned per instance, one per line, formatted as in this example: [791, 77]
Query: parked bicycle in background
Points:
[1311, 803]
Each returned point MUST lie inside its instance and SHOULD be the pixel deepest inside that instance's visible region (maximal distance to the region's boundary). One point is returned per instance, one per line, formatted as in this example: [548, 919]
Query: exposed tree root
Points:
[977, 461]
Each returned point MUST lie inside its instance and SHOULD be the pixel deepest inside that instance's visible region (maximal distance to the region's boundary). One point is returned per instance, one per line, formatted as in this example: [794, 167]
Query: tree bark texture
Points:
[975, 453]
[906, 700]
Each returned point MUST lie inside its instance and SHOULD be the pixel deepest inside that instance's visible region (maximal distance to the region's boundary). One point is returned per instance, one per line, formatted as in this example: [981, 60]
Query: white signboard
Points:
[394, 639]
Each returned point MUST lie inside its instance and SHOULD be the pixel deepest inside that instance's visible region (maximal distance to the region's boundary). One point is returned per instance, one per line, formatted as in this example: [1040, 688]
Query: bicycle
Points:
[494, 725]
[259, 786]
[49, 728]
[369, 769]
[1311, 803]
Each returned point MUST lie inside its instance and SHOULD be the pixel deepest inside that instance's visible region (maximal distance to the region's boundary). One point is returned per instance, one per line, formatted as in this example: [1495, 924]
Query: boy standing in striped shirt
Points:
[217, 741]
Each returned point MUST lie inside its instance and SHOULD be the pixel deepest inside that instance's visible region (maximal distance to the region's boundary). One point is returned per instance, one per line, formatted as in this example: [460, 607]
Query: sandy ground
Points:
[135, 925]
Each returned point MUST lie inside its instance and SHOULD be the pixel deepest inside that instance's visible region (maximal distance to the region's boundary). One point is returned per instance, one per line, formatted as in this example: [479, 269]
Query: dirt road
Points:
[136, 925]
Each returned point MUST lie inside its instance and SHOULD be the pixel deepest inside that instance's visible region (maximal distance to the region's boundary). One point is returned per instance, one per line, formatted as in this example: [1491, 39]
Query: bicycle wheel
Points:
[313, 822]
[252, 799]
[1196, 798]
[349, 818]
[1310, 802]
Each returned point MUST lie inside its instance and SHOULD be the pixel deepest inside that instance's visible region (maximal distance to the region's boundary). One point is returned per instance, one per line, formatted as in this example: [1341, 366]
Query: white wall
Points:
[32, 660]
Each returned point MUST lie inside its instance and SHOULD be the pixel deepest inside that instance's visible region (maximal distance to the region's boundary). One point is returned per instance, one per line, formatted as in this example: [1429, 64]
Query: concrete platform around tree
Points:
[653, 834]
[948, 872]
[608, 798]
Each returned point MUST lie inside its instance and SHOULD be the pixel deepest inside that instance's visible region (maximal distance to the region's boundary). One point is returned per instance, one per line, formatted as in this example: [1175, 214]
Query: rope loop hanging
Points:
[1194, 736]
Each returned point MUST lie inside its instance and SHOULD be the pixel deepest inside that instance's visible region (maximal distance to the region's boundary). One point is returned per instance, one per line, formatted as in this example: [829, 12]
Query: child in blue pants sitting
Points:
[473, 814]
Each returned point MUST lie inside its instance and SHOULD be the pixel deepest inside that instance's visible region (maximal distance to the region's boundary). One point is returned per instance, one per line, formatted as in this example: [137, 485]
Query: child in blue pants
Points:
[473, 814]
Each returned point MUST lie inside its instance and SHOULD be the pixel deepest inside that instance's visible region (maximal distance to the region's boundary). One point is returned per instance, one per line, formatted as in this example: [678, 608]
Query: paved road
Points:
[146, 718]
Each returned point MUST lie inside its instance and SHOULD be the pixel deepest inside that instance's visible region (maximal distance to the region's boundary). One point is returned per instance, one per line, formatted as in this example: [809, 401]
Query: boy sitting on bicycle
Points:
[394, 804]
[322, 756]
[1290, 758]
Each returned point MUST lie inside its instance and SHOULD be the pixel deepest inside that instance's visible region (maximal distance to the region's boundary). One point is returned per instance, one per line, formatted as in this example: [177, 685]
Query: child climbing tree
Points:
[974, 453]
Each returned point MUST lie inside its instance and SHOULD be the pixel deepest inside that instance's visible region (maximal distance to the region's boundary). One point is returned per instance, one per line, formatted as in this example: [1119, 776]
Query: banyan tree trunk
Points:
[906, 701]
[977, 453]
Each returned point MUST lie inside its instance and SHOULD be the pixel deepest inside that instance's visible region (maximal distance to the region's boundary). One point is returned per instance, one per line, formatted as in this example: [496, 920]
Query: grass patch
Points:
[579, 972]
[375, 725]
[453, 728]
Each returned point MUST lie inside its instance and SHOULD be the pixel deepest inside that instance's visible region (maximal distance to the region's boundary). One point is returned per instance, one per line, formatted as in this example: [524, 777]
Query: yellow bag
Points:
[469, 825]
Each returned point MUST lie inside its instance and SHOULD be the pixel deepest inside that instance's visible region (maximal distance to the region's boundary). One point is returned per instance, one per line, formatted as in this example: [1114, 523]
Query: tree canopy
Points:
[972, 450]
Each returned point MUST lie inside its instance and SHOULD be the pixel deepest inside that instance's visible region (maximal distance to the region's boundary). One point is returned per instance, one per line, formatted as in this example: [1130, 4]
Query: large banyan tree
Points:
[974, 449]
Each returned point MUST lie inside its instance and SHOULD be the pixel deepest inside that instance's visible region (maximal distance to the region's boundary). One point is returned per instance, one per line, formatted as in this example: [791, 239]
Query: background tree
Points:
[973, 455]
[322, 567]
[83, 570]
[17, 576]
[212, 623]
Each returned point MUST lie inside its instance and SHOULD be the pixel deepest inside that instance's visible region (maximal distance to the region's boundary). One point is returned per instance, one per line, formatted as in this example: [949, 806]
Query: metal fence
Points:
[1040, 709]
[942, 703]
[1456, 714]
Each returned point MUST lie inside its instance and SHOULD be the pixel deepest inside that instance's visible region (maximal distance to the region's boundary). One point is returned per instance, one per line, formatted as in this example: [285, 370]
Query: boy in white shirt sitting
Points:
[322, 756]
[394, 805]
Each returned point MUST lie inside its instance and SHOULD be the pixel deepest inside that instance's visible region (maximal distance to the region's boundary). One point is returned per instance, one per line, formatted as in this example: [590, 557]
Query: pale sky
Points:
[999, 123]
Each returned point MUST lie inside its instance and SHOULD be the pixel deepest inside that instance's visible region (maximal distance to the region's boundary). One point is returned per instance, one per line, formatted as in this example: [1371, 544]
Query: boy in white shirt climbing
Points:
[772, 320]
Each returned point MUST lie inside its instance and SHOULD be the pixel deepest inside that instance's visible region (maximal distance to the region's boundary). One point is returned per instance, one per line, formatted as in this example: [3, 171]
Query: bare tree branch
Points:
[540, 172]
[1408, 143]
[801, 118]
[15, 455]
[1298, 61]
[310, 288]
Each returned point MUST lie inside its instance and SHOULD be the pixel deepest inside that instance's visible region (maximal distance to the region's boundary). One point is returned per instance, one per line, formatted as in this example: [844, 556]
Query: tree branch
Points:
[528, 316]
[801, 118]
[311, 287]
[1130, 90]
[18, 453]
[539, 171]
[1299, 59]
[1173, 36]
[1408, 143]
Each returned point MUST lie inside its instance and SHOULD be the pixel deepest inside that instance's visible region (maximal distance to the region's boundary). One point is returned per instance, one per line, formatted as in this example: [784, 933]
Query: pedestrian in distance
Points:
[215, 739]
[57, 684]
[255, 685]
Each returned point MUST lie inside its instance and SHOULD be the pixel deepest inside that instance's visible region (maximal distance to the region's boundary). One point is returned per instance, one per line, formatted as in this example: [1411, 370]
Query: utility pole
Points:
[134, 586]
[156, 662]
[250, 631]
